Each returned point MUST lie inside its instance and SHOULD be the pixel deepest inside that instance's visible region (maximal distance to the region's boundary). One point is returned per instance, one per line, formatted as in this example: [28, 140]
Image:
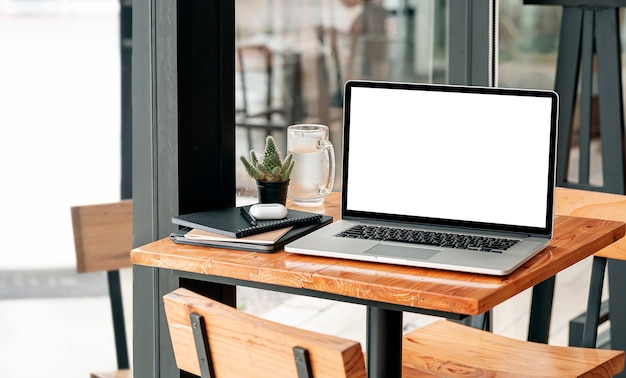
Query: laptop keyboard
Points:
[430, 238]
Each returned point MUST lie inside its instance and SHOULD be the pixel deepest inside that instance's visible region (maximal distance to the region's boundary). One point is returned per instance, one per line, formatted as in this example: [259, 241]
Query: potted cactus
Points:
[271, 172]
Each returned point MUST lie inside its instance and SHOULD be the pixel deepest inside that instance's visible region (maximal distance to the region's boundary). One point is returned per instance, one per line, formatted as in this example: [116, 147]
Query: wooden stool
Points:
[582, 203]
[448, 349]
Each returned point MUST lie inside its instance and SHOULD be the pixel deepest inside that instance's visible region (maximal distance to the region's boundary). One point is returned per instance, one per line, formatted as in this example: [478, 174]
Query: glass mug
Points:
[313, 174]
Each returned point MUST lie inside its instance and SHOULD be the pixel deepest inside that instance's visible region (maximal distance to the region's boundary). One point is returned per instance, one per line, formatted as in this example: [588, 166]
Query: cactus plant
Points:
[271, 168]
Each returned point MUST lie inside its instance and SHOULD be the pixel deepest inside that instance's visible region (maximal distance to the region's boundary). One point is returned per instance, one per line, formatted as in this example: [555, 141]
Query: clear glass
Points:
[313, 175]
[293, 57]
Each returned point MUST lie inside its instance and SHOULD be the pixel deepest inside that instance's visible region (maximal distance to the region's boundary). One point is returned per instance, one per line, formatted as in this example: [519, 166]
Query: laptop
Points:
[445, 177]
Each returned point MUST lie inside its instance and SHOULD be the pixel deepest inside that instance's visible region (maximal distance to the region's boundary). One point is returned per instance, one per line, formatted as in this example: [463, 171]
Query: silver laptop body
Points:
[449, 162]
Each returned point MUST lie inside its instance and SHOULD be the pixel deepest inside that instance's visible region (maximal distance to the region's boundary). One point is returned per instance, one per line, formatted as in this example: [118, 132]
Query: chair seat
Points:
[126, 373]
[445, 348]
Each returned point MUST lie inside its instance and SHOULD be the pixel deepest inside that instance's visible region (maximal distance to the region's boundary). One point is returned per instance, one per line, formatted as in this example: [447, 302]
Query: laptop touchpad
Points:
[402, 252]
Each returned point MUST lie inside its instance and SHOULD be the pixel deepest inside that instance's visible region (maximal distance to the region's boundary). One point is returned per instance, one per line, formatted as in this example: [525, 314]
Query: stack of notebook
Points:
[228, 228]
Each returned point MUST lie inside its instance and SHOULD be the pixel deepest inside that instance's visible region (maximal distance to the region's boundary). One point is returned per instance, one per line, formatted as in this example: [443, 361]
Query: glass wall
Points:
[293, 57]
[528, 43]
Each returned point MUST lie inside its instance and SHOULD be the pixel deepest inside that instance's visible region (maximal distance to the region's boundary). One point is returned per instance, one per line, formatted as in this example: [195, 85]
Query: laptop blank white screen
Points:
[446, 155]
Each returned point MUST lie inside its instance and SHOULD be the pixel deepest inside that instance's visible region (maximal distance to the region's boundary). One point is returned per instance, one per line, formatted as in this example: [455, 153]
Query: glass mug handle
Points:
[330, 180]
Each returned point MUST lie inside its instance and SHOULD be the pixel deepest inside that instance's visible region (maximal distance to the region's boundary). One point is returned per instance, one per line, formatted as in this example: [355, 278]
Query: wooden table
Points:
[387, 290]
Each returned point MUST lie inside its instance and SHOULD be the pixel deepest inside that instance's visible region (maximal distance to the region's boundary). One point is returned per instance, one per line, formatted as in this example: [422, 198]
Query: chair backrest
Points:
[103, 236]
[243, 345]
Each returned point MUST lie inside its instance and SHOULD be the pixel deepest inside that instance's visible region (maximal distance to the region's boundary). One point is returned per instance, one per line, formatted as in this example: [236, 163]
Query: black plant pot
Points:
[272, 192]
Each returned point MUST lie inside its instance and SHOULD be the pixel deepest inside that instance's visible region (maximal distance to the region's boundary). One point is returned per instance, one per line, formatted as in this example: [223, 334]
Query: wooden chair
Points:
[103, 240]
[448, 349]
[243, 345]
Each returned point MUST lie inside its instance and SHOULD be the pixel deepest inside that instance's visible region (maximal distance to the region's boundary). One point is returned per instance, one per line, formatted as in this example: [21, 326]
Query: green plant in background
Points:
[271, 168]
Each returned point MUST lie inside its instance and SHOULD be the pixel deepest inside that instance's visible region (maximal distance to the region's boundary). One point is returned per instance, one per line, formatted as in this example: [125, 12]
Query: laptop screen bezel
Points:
[357, 215]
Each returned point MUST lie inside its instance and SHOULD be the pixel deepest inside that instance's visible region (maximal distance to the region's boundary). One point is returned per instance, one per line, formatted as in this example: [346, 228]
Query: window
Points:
[293, 57]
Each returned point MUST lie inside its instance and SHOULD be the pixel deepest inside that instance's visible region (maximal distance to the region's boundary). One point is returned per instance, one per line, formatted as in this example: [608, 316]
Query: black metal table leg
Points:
[541, 311]
[384, 343]
[483, 321]
[617, 305]
[590, 329]
[583, 329]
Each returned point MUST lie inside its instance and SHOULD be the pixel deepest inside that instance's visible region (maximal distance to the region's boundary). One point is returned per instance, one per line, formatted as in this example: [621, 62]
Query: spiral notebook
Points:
[180, 237]
[230, 222]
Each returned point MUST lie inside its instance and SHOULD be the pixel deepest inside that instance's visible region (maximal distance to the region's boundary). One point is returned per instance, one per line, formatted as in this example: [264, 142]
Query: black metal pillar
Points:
[126, 49]
[472, 48]
[206, 105]
[183, 144]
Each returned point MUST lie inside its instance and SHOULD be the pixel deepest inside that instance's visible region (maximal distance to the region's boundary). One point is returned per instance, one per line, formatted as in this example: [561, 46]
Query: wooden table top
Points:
[463, 293]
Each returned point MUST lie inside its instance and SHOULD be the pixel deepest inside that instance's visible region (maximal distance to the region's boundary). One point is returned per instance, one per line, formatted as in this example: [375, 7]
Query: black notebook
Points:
[293, 234]
[230, 221]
